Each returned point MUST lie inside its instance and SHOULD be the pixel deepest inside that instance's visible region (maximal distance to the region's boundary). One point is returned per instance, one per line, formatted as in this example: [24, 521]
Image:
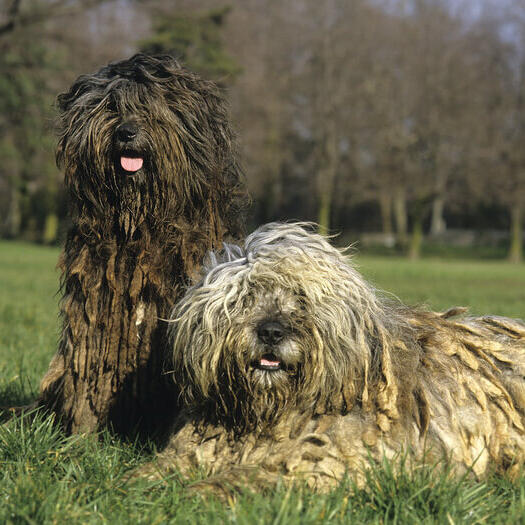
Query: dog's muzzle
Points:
[127, 138]
[270, 334]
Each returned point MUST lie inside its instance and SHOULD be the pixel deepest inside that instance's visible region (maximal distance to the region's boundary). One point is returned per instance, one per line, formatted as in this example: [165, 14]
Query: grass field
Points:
[49, 478]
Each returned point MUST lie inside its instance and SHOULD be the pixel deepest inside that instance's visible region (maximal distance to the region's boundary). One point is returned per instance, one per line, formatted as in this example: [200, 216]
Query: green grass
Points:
[46, 477]
[485, 287]
[28, 318]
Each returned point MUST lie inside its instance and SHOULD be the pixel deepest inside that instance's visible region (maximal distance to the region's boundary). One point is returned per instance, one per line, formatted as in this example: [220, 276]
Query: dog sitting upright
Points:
[153, 183]
[291, 365]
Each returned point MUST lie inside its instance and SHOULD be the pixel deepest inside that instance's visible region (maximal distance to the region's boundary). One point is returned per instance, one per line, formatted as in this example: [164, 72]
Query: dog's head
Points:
[283, 322]
[145, 132]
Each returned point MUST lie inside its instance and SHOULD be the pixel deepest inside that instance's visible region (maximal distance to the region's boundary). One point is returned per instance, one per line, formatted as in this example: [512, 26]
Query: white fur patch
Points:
[140, 314]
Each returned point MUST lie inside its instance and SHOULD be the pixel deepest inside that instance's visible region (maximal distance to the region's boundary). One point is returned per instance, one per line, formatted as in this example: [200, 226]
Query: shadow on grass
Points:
[15, 399]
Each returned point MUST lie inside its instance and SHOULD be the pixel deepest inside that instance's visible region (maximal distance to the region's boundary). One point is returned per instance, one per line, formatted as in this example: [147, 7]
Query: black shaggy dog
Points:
[153, 183]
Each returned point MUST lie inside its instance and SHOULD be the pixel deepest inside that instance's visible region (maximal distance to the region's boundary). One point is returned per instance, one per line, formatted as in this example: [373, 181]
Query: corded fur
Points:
[135, 238]
[360, 374]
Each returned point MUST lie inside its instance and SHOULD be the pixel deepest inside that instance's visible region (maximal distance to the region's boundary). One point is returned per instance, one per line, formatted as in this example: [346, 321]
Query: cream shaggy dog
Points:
[292, 366]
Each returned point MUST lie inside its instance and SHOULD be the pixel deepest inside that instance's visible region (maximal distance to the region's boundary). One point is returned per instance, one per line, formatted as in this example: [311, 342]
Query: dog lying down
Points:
[292, 366]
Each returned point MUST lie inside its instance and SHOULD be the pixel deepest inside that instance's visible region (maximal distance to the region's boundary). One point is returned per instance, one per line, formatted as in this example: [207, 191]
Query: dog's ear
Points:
[62, 105]
[65, 115]
[366, 378]
[361, 356]
[393, 383]
[63, 102]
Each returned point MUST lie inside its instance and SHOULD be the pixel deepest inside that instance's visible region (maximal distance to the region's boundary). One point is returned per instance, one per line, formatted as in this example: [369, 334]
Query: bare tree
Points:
[498, 126]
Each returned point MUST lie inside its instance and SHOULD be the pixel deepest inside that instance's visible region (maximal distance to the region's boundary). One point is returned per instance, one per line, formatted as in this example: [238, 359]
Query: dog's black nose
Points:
[127, 132]
[271, 332]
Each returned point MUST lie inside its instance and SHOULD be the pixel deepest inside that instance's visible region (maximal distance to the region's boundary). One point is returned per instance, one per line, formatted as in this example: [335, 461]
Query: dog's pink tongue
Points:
[131, 163]
[267, 362]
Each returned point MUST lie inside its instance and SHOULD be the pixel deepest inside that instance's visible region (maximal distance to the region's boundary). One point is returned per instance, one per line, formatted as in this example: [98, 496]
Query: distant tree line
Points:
[397, 116]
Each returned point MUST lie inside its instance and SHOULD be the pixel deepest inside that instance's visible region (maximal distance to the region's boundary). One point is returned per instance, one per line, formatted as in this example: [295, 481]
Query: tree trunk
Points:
[326, 179]
[14, 214]
[516, 233]
[416, 239]
[385, 203]
[326, 117]
[437, 224]
[50, 234]
[273, 159]
[400, 214]
[325, 208]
